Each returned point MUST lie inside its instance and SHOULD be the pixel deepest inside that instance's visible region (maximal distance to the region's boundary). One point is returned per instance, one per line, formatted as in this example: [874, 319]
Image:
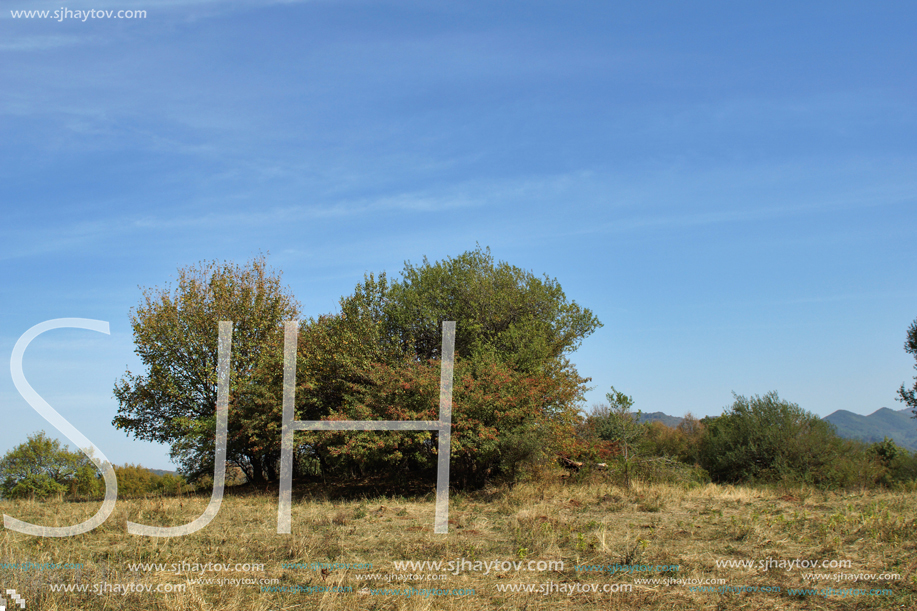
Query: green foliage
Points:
[909, 396]
[524, 452]
[175, 333]
[902, 469]
[134, 481]
[41, 467]
[681, 443]
[616, 424]
[501, 419]
[850, 466]
[524, 320]
[898, 465]
[87, 483]
[514, 388]
[378, 358]
[762, 439]
[496, 407]
[338, 352]
[169, 484]
[35, 485]
[885, 451]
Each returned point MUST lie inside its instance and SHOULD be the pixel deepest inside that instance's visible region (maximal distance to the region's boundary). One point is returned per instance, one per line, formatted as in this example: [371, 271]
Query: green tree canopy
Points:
[175, 334]
[41, 467]
[767, 439]
[524, 320]
[615, 423]
[378, 359]
[909, 396]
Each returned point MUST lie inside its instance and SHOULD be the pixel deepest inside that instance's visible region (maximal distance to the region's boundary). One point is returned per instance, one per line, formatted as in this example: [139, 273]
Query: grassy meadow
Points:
[587, 522]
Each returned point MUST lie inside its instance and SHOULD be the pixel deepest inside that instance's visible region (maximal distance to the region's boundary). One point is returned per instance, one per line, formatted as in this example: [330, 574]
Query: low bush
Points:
[767, 439]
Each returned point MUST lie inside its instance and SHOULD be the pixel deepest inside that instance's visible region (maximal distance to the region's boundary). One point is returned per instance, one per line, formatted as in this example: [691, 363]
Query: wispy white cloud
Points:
[41, 42]
[748, 193]
[605, 203]
[57, 237]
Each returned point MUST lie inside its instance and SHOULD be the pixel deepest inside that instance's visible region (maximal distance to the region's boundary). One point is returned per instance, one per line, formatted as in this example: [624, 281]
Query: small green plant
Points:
[615, 422]
[633, 553]
[742, 529]
[584, 544]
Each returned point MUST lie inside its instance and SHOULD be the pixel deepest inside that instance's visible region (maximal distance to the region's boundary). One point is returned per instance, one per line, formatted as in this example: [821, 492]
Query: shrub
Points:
[41, 467]
[37, 486]
[769, 439]
[899, 465]
[515, 389]
[87, 483]
[680, 443]
[170, 484]
[523, 452]
[134, 480]
[615, 423]
[501, 417]
[848, 465]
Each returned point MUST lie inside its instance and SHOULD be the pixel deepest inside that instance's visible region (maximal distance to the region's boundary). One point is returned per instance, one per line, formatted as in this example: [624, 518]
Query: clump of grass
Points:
[651, 502]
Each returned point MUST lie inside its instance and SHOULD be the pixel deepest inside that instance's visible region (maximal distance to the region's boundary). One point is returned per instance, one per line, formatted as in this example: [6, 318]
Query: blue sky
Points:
[730, 187]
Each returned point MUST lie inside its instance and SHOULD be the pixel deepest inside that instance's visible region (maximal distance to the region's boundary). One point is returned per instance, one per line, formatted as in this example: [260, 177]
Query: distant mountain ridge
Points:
[897, 425]
[672, 421]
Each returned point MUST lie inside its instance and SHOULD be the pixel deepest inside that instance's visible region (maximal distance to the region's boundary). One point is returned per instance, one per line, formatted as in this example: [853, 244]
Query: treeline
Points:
[515, 390]
[516, 397]
[757, 440]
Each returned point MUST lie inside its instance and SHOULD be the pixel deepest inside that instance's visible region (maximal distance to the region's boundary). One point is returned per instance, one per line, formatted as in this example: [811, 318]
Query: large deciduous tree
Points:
[909, 396]
[515, 389]
[176, 333]
[522, 319]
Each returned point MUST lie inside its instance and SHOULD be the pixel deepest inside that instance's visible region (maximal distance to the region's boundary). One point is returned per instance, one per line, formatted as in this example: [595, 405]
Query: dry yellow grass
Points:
[586, 523]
